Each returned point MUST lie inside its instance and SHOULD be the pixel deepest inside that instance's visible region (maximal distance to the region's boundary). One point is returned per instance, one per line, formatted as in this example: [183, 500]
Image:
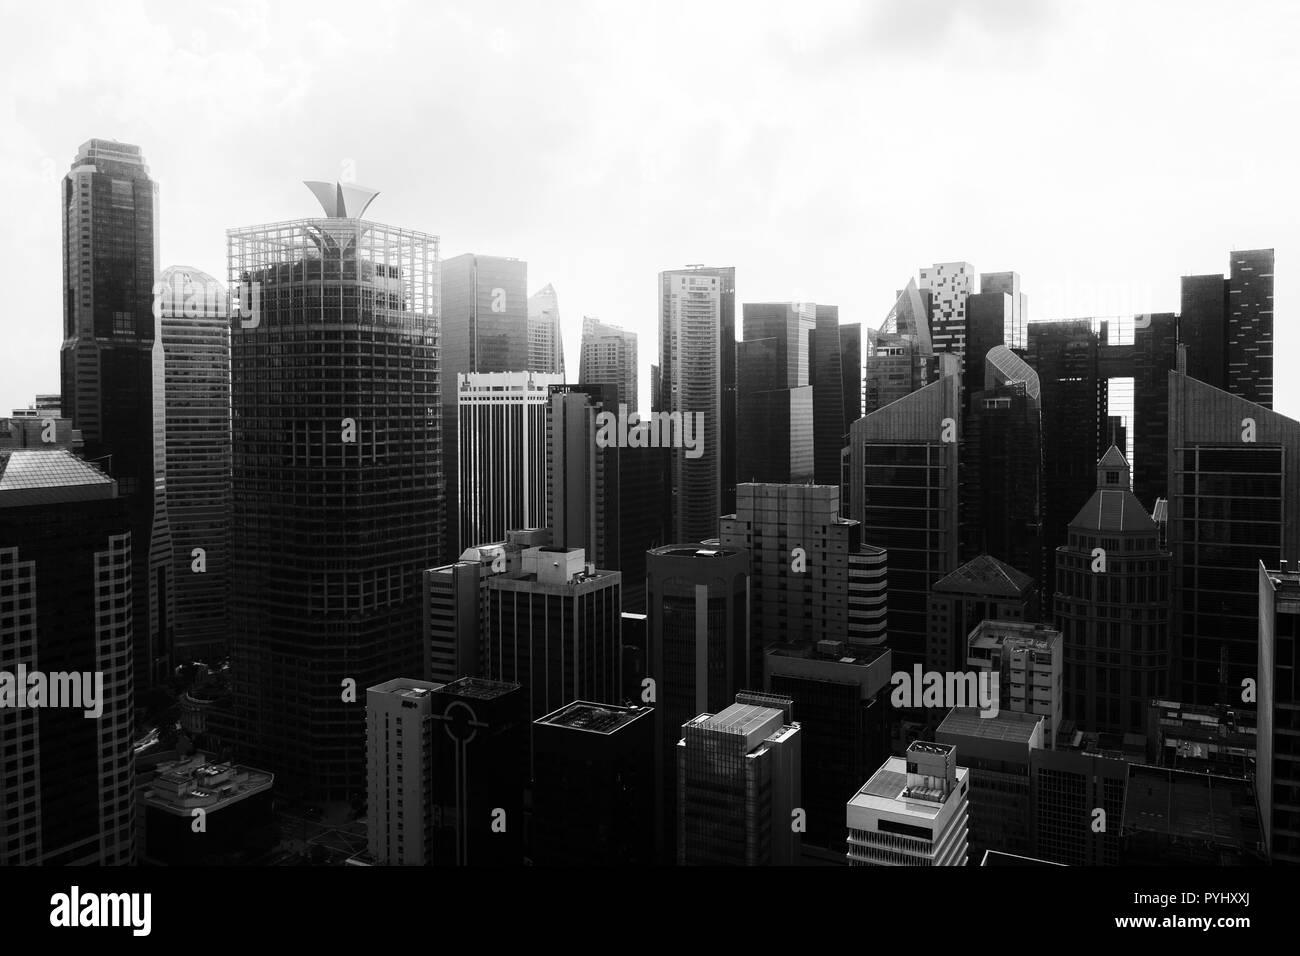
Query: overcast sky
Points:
[828, 150]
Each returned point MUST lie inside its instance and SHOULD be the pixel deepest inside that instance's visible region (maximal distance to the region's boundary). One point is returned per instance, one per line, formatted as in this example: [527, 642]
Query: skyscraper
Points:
[1278, 779]
[949, 285]
[501, 424]
[982, 589]
[1234, 472]
[827, 377]
[774, 395]
[1014, 334]
[553, 627]
[1028, 661]
[609, 358]
[811, 576]
[112, 365]
[545, 344]
[697, 373]
[67, 772]
[851, 372]
[484, 328]
[903, 492]
[912, 812]
[399, 748]
[1112, 607]
[739, 786]
[336, 479]
[582, 488]
[195, 329]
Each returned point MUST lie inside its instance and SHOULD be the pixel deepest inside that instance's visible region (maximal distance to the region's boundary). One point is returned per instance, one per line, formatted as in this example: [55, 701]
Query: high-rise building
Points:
[67, 772]
[1234, 470]
[1002, 464]
[697, 374]
[1112, 607]
[336, 479]
[501, 431]
[826, 375]
[1028, 661]
[774, 395]
[644, 515]
[609, 358]
[982, 589]
[112, 366]
[697, 603]
[553, 627]
[195, 329]
[593, 786]
[582, 487]
[1014, 334]
[1278, 776]
[738, 785]
[1078, 801]
[1227, 325]
[1165, 820]
[479, 756]
[900, 356]
[912, 812]
[545, 344]
[455, 611]
[1218, 739]
[851, 369]
[996, 750]
[839, 695]
[949, 285]
[399, 750]
[484, 328]
[811, 577]
[903, 492]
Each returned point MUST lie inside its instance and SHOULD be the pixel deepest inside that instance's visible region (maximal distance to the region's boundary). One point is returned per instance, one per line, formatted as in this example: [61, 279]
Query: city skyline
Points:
[1122, 237]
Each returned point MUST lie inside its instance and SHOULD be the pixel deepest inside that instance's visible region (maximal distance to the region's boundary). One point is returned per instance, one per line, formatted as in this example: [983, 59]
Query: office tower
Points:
[582, 488]
[826, 376]
[697, 604]
[66, 772]
[840, 696]
[1278, 778]
[593, 786]
[1227, 326]
[1067, 788]
[912, 812]
[609, 358]
[1014, 335]
[899, 356]
[811, 577]
[545, 345]
[484, 328]
[738, 786]
[195, 329]
[1218, 739]
[553, 627]
[1182, 818]
[399, 745]
[996, 750]
[851, 370]
[644, 515]
[1065, 356]
[950, 285]
[336, 479]
[1112, 607]
[774, 424]
[697, 373]
[501, 429]
[1234, 475]
[1028, 659]
[1154, 356]
[480, 768]
[455, 611]
[1002, 458]
[237, 804]
[987, 316]
[112, 366]
[982, 589]
[903, 492]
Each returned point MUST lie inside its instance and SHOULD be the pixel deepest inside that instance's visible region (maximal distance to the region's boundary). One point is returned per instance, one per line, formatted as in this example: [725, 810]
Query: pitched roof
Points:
[1114, 458]
[986, 575]
[32, 476]
[1113, 511]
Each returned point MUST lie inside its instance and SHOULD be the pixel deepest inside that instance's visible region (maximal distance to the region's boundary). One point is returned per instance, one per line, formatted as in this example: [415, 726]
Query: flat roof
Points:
[593, 718]
[1191, 806]
[1004, 725]
[861, 655]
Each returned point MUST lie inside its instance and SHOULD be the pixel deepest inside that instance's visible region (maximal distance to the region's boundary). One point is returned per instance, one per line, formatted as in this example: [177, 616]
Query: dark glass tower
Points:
[337, 480]
[112, 365]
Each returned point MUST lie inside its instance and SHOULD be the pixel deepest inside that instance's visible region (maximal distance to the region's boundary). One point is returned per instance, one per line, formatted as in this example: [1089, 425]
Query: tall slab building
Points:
[609, 358]
[545, 344]
[697, 373]
[336, 479]
[112, 365]
[196, 342]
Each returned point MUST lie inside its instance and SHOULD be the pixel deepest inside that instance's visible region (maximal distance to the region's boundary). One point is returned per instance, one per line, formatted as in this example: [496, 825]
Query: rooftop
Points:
[986, 575]
[1200, 807]
[1113, 511]
[477, 688]
[860, 656]
[47, 476]
[1005, 725]
[593, 718]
